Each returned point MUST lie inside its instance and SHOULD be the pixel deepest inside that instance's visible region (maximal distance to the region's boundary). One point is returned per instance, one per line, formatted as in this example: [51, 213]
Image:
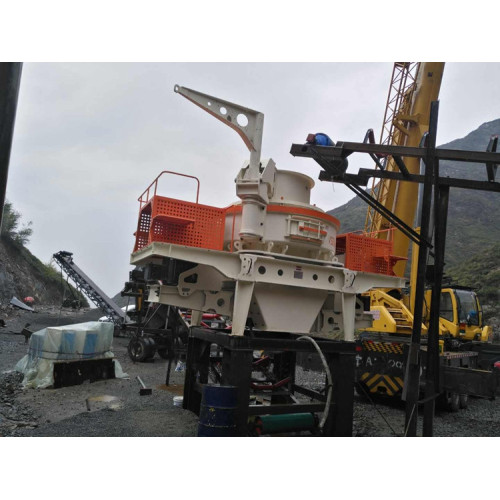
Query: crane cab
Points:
[461, 315]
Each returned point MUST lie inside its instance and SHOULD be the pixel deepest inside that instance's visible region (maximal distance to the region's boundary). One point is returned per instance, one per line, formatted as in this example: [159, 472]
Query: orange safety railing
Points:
[364, 252]
[169, 220]
[143, 201]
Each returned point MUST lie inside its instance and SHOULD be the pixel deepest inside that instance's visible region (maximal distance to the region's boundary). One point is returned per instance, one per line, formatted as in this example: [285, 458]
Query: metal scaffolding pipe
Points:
[10, 79]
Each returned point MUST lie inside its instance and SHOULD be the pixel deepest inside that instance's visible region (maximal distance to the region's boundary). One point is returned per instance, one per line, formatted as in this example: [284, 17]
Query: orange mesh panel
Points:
[182, 223]
[142, 234]
[363, 253]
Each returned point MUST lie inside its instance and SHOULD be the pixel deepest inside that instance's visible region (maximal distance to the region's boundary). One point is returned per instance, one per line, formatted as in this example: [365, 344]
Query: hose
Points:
[328, 376]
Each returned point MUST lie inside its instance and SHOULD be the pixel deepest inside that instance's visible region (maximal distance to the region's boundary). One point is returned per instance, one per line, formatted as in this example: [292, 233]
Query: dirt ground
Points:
[117, 409]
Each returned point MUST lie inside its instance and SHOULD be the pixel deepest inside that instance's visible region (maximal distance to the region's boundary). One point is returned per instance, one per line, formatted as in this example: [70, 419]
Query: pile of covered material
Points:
[56, 344]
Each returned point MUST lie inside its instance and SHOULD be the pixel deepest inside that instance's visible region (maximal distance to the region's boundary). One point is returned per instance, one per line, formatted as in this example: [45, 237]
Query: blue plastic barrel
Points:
[218, 411]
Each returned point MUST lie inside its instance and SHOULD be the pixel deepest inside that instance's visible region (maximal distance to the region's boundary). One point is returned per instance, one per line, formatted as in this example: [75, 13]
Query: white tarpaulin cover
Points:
[92, 340]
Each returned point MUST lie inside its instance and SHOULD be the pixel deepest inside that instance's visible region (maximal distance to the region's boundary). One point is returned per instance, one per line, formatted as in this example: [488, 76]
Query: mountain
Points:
[482, 272]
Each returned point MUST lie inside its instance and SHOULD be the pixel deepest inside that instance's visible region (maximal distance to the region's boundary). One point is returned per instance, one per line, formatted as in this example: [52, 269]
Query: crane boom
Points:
[413, 88]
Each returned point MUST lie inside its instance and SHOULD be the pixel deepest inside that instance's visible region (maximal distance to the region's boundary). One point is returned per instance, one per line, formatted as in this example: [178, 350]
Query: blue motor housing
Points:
[320, 139]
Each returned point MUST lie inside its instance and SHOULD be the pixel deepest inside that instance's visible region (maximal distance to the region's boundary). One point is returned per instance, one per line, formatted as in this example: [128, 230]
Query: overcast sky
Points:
[89, 139]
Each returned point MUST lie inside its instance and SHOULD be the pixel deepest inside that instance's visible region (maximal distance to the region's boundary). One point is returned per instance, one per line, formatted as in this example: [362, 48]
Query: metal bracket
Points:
[401, 165]
[370, 139]
[491, 168]
[247, 123]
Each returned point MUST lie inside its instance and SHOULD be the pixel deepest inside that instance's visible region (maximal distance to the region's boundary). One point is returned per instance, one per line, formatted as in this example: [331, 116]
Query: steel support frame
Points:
[343, 149]
[332, 160]
[85, 285]
[237, 361]
[326, 156]
[481, 383]
[432, 382]
[412, 377]
[252, 272]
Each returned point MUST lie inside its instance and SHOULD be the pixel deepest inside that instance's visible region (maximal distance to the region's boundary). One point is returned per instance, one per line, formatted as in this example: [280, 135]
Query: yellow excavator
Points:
[413, 87]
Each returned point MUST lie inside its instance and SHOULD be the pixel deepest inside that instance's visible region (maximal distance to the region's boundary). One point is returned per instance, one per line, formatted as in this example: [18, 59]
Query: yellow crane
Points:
[413, 87]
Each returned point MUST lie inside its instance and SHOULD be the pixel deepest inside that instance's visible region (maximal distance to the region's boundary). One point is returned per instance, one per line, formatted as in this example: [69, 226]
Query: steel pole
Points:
[442, 194]
[412, 378]
[10, 80]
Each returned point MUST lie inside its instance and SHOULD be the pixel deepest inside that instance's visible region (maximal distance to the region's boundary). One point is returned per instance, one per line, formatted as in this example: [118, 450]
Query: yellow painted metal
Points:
[413, 88]
[447, 327]
[413, 273]
[459, 329]
[391, 315]
[411, 121]
[406, 193]
[382, 384]
[398, 102]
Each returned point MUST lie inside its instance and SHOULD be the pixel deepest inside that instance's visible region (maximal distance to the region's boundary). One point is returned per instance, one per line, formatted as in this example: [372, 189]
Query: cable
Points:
[409, 420]
[329, 377]
[375, 406]
[152, 316]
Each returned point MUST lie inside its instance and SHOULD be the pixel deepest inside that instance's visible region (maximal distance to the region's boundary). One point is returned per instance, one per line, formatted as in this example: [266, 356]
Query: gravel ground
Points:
[117, 409]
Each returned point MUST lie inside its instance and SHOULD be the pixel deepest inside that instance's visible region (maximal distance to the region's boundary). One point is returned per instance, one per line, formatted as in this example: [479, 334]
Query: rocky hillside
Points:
[482, 272]
[22, 275]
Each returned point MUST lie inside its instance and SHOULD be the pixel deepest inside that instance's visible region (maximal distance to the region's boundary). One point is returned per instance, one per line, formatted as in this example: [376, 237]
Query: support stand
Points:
[333, 159]
[237, 363]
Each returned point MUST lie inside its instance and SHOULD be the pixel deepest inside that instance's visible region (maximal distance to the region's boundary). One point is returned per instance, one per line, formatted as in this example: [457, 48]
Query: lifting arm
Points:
[233, 115]
[255, 182]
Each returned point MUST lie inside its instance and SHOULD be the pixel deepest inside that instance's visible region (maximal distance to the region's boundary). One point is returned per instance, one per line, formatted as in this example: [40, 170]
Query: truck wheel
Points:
[464, 401]
[140, 349]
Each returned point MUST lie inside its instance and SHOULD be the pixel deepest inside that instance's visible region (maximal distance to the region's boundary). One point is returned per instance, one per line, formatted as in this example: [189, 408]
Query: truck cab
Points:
[461, 315]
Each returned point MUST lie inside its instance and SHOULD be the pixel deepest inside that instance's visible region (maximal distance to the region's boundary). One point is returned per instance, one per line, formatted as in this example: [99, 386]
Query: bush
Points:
[10, 226]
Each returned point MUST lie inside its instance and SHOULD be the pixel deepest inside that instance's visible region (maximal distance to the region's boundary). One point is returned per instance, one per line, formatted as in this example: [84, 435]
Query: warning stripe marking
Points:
[391, 382]
[383, 347]
[392, 385]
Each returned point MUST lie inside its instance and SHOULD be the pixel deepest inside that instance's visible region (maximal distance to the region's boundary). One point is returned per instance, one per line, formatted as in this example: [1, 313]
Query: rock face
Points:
[22, 275]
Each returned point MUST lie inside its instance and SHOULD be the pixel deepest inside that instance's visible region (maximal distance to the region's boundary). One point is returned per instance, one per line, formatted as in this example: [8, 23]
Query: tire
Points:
[140, 349]
[464, 401]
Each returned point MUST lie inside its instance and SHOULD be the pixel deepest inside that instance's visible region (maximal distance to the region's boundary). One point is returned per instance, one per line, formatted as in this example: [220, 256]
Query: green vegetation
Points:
[17, 237]
[10, 226]
[481, 272]
[50, 274]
